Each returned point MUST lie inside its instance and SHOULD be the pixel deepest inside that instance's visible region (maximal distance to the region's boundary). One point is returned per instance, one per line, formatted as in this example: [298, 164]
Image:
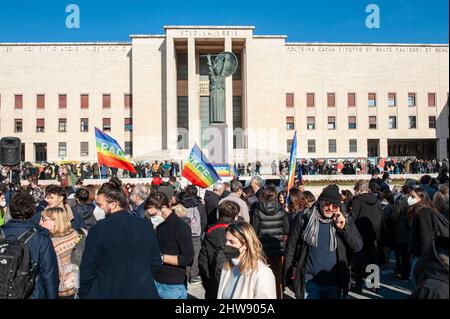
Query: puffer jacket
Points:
[271, 224]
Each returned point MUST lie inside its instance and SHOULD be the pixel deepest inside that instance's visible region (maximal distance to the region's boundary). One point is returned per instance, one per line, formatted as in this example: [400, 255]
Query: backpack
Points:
[196, 225]
[17, 270]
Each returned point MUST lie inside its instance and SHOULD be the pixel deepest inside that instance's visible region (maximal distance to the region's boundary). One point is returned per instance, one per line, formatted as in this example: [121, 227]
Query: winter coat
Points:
[426, 226]
[212, 258]
[194, 201]
[119, 259]
[432, 274]
[86, 211]
[297, 252]
[271, 224]
[368, 216]
[211, 204]
[402, 228]
[42, 253]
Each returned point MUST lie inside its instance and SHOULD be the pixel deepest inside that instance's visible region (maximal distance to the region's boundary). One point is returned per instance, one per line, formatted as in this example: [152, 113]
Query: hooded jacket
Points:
[368, 216]
[194, 201]
[271, 224]
[86, 211]
[432, 273]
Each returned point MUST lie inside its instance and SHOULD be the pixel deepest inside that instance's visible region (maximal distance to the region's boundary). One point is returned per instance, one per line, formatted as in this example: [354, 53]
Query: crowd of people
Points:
[151, 241]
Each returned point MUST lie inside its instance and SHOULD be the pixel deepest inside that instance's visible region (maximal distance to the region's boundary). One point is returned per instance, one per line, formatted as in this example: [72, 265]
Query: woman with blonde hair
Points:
[64, 239]
[245, 274]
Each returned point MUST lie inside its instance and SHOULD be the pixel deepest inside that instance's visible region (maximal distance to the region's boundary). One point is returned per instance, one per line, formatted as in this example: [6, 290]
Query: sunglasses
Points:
[334, 206]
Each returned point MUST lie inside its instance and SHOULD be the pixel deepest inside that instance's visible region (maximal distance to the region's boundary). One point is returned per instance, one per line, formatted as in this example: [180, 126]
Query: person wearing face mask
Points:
[368, 216]
[211, 258]
[177, 250]
[153, 206]
[121, 253]
[318, 244]
[426, 223]
[245, 273]
[64, 239]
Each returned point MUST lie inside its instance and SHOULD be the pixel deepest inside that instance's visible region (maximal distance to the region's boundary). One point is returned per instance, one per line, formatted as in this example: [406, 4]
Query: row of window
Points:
[62, 125]
[311, 122]
[84, 149]
[332, 146]
[351, 99]
[62, 101]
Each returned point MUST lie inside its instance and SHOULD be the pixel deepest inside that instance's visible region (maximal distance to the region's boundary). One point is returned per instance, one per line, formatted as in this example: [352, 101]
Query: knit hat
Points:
[331, 195]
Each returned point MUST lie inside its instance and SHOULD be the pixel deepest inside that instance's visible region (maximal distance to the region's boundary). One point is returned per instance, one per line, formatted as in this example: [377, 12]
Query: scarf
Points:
[310, 236]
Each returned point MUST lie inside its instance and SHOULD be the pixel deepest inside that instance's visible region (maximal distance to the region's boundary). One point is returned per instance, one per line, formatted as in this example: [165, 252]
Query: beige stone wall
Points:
[271, 68]
[53, 69]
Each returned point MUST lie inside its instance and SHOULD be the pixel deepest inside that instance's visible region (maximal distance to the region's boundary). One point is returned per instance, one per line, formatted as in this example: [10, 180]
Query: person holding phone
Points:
[317, 249]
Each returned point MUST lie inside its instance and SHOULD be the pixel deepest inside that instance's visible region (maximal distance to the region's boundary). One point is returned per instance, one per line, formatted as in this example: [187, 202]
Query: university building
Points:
[345, 100]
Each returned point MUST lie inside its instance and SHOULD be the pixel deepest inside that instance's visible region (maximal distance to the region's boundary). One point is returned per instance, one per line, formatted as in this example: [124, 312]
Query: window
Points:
[331, 122]
[311, 123]
[372, 122]
[311, 146]
[84, 127]
[392, 99]
[182, 66]
[128, 124]
[40, 125]
[62, 125]
[331, 100]
[289, 146]
[332, 146]
[107, 124]
[62, 101]
[84, 101]
[411, 99]
[372, 99]
[392, 122]
[84, 148]
[432, 121]
[128, 101]
[310, 99]
[352, 146]
[106, 101]
[290, 123]
[352, 122]
[40, 101]
[18, 101]
[289, 99]
[129, 148]
[351, 97]
[18, 126]
[412, 122]
[431, 99]
[62, 149]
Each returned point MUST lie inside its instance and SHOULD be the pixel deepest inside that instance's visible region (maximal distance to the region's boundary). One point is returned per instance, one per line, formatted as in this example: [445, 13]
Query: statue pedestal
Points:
[218, 143]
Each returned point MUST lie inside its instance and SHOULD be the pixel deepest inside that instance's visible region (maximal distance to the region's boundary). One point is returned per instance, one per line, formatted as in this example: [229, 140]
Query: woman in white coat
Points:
[245, 273]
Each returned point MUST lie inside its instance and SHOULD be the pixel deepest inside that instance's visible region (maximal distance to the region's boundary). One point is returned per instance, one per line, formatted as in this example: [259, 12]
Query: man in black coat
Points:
[317, 248]
[121, 252]
[368, 215]
[211, 257]
[212, 199]
[22, 208]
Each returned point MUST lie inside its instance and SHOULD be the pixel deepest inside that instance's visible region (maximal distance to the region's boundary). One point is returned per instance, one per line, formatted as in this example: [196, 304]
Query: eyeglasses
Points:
[45, 219]
[333, 206]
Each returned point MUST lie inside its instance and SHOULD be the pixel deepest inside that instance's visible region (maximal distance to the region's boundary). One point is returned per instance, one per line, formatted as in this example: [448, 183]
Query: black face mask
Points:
[231, 252]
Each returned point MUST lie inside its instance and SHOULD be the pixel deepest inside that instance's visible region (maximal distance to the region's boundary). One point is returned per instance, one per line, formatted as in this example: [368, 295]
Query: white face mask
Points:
[3, 204]
[411, 201]
[235, 261]
[156, 220]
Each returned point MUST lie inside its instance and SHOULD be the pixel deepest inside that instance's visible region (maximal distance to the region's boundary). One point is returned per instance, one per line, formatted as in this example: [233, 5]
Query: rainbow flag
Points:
[293, 163]
[198, 170]
[109, 152]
